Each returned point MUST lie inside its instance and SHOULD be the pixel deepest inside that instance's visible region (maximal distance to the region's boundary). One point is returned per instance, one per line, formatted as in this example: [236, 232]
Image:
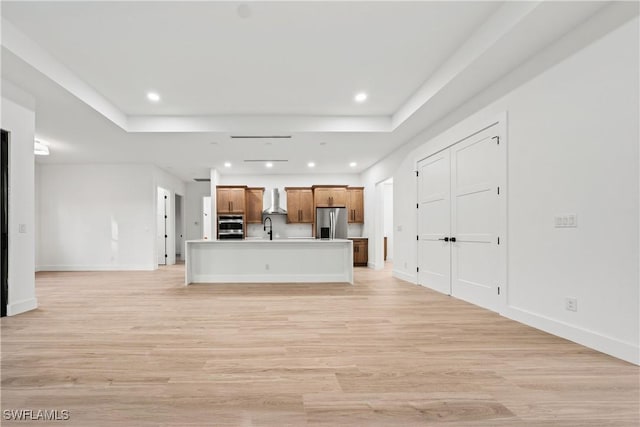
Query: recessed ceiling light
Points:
[269, 164]
[40, 148]
[153, 97]
[353, 164]
[311, 164]
[361, 97]
[227, 164]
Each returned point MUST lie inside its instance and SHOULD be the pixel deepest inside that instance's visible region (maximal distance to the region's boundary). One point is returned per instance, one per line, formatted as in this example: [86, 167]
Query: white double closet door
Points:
[458, 220]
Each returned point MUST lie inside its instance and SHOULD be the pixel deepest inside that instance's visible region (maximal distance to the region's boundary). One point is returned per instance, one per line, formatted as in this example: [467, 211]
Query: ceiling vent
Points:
[264, 160]
[260, 136]
[202, 179]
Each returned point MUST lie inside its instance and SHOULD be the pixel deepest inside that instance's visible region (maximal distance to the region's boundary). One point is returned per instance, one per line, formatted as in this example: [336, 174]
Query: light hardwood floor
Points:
[139, 348]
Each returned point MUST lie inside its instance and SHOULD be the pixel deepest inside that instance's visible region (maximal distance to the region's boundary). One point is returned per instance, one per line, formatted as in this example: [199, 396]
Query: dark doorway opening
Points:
[4, 220]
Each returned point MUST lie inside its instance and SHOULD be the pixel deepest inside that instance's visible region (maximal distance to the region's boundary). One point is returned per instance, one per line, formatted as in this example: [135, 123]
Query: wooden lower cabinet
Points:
[360, 251]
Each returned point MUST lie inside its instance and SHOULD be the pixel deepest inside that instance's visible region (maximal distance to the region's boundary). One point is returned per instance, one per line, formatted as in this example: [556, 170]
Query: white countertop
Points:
[285, 240]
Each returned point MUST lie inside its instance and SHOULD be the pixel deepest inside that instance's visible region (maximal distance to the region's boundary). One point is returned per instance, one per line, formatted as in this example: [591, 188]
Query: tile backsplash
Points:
[283, 230]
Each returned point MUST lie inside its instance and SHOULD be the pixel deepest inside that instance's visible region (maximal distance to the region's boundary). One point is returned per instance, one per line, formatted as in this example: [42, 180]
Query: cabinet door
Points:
[237, 199]
[355, 205]
[223, 201]
[327, 197]
[360, 252]
[299, 205]
[339, 197]
[306, 206]
[322, 197]
[293, 206]
[254, 205]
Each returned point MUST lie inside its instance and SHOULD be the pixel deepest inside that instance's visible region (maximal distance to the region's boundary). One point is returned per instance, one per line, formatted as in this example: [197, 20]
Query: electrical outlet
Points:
[399, 228]
[266, 266]
[22, 228]
[571, 304]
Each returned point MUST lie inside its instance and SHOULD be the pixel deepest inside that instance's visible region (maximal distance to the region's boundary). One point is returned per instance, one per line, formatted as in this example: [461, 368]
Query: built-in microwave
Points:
[230, 227]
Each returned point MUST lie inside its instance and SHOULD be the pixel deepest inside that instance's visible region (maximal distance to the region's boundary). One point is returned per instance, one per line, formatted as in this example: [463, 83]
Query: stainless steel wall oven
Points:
[230, 227]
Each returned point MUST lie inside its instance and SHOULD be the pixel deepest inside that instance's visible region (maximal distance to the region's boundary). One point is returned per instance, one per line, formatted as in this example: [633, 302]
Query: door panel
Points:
[474, 205]
[306, 206]
[434, 222]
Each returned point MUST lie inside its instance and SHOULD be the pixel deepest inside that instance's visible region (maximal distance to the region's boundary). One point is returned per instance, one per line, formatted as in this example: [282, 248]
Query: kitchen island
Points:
[269, 261]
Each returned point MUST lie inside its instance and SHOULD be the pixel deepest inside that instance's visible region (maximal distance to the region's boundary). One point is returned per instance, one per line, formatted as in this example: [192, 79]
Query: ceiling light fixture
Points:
[153, 97]
[269, 164]
[361, 97]
[227, 164]
[353, 164]
[40, 148]
[311, 164]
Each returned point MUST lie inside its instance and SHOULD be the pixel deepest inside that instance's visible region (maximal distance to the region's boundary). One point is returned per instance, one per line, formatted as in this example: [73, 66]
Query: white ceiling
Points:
[286, 58]
[288, 68]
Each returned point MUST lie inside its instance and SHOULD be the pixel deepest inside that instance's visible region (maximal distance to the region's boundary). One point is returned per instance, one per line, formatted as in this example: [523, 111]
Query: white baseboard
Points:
[38, 268]
[21, 306]
[135, 267]
[404, 276]
[611, 346]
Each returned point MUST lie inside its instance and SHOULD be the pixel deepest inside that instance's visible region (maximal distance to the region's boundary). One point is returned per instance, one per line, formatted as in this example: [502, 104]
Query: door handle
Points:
[446, 239]
[453, 239]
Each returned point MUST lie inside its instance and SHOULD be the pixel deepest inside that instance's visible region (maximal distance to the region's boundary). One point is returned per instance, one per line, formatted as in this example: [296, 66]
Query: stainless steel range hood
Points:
[274, 208]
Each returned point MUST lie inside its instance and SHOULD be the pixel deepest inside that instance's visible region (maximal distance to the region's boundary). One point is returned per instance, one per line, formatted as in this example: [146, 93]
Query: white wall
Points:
[573, 147]
[280, 228]
[195, 191]
[97, 217]
[19, 119]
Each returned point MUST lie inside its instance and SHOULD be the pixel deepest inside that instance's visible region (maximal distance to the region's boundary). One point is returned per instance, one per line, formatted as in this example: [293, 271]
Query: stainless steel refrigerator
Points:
[331, 223]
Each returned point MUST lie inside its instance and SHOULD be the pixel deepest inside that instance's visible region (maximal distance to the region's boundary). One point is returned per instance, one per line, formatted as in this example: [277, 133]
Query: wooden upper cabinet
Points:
[355, 205]
[253, 214]
[330, 196]
[231, 199]
[299, 205]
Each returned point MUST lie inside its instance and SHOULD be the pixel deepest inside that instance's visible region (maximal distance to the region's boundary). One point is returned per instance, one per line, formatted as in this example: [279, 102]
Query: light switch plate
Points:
[565, 221]
[22, 228]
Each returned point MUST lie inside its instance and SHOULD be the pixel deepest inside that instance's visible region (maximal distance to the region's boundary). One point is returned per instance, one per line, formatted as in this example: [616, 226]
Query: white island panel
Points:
[265, 261]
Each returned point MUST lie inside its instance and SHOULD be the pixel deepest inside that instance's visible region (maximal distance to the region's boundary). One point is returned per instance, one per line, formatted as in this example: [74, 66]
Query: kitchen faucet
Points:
[270, 232]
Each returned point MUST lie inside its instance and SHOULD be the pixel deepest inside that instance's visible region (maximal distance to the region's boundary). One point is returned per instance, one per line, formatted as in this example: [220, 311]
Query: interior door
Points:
[434, 222]
[475, 212]
[161, 232]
